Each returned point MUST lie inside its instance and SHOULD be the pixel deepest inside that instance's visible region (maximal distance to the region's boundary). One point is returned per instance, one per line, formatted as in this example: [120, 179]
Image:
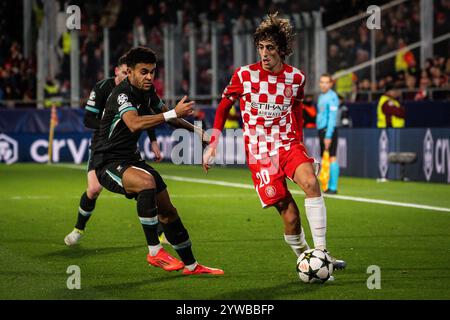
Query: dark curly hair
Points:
[140, 55]
[277, 30]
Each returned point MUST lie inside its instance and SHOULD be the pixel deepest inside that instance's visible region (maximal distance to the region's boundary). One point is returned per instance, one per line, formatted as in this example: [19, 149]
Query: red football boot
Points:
[165, 261]
[199, 269]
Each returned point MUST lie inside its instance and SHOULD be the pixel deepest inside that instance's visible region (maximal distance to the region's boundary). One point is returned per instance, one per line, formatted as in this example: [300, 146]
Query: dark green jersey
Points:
[95, 106]
[116, 142]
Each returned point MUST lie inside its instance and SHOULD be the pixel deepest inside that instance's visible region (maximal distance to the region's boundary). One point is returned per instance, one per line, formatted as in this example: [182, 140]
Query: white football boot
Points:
[337, 264]
[74, 237]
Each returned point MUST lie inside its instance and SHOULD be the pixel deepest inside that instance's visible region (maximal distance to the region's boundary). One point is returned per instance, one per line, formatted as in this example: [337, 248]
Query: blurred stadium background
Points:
[200, 43]
[47, 72]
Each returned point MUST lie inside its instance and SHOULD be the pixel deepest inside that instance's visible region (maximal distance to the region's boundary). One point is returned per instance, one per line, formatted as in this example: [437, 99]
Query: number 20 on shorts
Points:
[263, 177]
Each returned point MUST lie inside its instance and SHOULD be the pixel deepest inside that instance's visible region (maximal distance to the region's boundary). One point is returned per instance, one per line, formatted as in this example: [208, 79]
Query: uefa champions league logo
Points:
[428, 155]
[122, 98]
[9, 150]
[383, 146]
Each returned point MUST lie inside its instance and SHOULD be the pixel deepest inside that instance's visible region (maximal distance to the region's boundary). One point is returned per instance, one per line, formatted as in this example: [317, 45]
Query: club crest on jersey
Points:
[122, 98]
[270, 191]
[288, 91]
[92, 95]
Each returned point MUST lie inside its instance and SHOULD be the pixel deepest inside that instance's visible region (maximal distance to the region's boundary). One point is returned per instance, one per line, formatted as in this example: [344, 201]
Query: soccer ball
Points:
[314, 266]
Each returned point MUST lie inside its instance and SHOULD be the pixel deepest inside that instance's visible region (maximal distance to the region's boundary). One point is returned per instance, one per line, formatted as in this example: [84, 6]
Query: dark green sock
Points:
[84, 211]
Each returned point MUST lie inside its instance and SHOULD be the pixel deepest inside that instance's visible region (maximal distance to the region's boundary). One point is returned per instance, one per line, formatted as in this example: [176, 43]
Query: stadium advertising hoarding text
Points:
[361, 152]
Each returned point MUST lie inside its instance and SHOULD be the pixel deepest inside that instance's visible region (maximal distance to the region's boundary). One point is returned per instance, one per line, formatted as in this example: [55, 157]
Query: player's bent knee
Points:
[94, 191]
[309, 183]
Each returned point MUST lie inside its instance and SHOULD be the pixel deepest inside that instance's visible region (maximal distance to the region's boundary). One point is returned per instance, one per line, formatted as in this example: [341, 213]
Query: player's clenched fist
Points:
[184, 108]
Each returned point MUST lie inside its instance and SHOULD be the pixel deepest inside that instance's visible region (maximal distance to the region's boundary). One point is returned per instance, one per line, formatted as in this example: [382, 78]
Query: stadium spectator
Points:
[410, 86]
[424, 85]
[65, 42]
[390, 113]
[343, 119]
[309, 112]
[17, 75]
[346, 84]
[200, 115]
[151, 18]
[404, 58]
[400, 80]
[334, 58]
[364, 87]
[52, 94]
[447, 70]
[232, 120]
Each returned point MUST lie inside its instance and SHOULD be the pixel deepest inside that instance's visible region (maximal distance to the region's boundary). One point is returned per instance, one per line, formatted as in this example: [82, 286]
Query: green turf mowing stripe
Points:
[338, 197]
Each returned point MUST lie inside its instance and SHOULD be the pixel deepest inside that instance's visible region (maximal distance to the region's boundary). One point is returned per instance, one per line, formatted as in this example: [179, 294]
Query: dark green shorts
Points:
[110, 176]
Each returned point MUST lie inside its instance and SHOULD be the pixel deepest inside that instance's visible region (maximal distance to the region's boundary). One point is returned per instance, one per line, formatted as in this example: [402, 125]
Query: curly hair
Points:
[140, 55]
[277, 30]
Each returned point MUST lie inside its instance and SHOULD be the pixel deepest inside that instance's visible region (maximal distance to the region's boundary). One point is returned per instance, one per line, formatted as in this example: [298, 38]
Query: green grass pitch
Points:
[228, 229]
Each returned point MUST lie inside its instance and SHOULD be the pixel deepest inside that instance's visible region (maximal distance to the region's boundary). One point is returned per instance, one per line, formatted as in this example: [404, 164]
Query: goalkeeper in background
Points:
[327, 108]
[93, 114]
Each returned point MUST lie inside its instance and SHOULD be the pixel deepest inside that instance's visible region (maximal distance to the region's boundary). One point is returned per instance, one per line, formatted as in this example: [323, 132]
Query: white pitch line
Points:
[350, 198]
[390, 203]
[247, 186]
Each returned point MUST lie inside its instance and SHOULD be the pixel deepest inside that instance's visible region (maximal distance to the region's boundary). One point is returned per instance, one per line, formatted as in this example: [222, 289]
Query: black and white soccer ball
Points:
[314, 266]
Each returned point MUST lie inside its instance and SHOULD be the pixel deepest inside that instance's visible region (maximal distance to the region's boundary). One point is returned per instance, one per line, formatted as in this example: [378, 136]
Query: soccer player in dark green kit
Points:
[132, 107]
[93, 113]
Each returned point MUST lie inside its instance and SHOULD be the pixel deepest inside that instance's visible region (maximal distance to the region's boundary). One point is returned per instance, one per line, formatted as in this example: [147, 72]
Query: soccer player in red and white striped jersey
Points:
[270, 94]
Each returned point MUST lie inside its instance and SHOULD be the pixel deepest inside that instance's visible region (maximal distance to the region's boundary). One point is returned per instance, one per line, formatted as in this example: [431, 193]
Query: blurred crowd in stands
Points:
[400, 28]
[17, 74]
[143, 22]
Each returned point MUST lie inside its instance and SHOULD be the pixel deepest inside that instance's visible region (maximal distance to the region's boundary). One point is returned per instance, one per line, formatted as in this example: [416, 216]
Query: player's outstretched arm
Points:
[136, 122]
[210, 153]
[181, 123]
[223, 109]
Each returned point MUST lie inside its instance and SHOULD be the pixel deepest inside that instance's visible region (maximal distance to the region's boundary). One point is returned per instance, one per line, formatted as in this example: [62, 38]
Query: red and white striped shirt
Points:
[270, 107]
